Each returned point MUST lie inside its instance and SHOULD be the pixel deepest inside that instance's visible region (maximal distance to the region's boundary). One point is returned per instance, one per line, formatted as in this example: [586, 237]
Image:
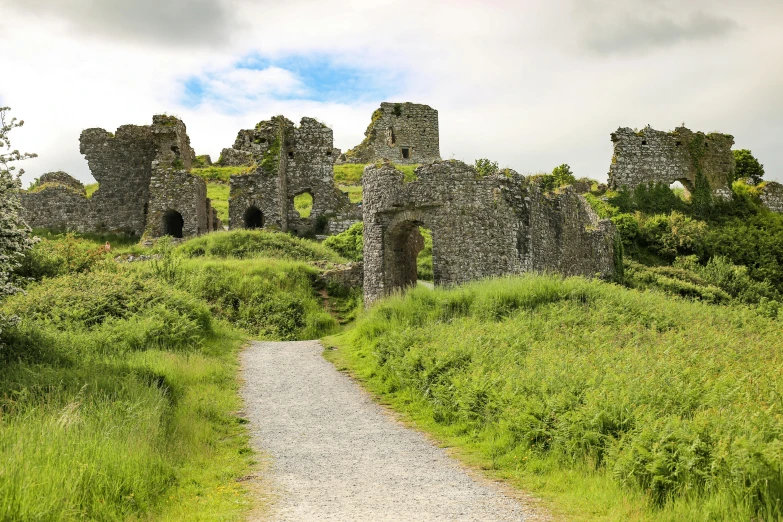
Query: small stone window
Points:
[175, 150]
[328, 152]
[644, 142]
[679, 144]
[406, 153]
[291, 154]
[262, 140]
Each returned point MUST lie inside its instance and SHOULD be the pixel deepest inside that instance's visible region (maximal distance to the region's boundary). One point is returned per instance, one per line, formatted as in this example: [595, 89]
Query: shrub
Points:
[65, 255]
[349, 244]
[673, 234]
[563, 175]
[485, 167]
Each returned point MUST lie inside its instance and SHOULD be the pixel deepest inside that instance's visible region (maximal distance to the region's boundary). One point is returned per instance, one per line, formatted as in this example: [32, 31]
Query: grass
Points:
[90, 189]
[241, 244]
[218, 197]
[355, 193]
[117, 401]
[220, 174]
[608, 403]
[349, 174]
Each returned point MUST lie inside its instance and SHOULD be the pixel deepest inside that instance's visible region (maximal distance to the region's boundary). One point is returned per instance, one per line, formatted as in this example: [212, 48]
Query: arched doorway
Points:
[253, 218]
[303, 203]
[409, 255]
[173, 224]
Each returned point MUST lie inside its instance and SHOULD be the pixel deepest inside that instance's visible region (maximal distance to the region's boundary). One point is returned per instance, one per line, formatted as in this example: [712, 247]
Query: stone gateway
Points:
[481, 227]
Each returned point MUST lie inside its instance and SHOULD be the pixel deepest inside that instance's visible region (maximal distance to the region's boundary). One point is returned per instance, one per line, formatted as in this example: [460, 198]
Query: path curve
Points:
[336, 455]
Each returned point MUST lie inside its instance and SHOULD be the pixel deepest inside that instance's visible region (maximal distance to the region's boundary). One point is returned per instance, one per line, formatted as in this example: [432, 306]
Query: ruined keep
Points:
[651, 156]
[144, 186]
[481, 227]
[403, 133]
[288, 161]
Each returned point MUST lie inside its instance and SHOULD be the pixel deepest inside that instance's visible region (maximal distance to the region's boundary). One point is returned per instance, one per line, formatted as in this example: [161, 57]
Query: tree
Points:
[747, 167]
[14, 233]
[563, 175]
[485, 167]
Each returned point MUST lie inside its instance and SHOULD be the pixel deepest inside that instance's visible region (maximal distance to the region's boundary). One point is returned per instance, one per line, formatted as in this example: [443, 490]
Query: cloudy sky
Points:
[529, 83]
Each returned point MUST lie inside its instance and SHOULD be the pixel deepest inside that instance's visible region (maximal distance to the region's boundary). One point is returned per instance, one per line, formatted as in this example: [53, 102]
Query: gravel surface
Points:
[337, 455]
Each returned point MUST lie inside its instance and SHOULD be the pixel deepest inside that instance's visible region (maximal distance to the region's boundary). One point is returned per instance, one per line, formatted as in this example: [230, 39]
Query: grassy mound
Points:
[116, 399]
[614, 402]
[257, 243]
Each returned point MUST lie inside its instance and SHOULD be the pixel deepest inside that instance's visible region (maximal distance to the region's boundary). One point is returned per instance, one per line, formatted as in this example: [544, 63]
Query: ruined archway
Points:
[403, 244]
[173, 224]
[253, 218]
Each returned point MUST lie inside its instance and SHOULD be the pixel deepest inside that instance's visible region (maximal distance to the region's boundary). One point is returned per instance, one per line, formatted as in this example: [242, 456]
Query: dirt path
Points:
[336, 455]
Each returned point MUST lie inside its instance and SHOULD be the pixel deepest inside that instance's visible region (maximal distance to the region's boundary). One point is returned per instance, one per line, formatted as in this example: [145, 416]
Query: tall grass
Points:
[615, 403]
[218, 196]
[116, 401]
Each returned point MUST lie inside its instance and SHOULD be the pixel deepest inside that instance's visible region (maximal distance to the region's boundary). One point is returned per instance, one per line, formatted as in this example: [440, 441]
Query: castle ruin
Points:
[145, 186]
[403, 133]
[651, 156]
[287, 161]
[481, 227]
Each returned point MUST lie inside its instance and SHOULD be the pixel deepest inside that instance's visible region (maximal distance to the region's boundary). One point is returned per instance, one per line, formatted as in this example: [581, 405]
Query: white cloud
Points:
[513, 81]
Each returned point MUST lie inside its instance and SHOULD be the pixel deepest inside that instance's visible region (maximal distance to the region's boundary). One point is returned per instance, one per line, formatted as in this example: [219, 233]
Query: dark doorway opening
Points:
[406, 153]
[173, 224]
[253, 218]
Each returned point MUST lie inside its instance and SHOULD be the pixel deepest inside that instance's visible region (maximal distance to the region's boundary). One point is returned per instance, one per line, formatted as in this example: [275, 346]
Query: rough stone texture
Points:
[481, 227]
[398, 126]
[338, 456]
[290, 161]
[62, 178]
[122, 165]
[772, 196]
[142, 172]
[235, 158]
[350, 275]
[655, 156]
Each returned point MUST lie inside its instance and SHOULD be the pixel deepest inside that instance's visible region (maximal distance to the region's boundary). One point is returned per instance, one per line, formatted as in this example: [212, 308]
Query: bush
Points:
[349, 244]
[66, 255]
[672, 235]
[485, 167]
[563, 175]
[243, 244]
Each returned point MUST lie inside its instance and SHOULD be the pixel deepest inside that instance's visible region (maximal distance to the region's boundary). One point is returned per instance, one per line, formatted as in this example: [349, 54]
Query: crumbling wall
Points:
[682, 155]
[172, 188]
[289, 161]
[60, 202]
[404, 133]
[481, 227]
[122, 165]
[772, 196]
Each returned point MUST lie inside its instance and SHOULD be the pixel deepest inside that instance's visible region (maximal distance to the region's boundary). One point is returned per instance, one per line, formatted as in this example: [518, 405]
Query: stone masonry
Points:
[481, 227]
[403, 133]
[772, 196]
[289, 161]
[143, 174]
[651, 156]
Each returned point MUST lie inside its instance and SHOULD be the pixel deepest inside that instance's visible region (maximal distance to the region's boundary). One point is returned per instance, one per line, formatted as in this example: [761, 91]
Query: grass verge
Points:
[609, 403]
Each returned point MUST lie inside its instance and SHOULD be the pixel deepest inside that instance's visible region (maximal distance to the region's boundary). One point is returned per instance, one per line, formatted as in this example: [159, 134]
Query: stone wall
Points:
[481, 227]
[142, 171]
[289, 161]
[772, 196]
[397, 129]
[655, 156]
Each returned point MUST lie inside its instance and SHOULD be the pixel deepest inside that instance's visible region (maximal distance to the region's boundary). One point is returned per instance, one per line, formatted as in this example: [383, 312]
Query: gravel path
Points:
[336, 455]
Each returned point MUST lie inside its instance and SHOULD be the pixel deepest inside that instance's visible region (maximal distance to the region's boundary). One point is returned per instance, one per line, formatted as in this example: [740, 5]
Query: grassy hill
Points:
[611, 403]
[118, 390]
